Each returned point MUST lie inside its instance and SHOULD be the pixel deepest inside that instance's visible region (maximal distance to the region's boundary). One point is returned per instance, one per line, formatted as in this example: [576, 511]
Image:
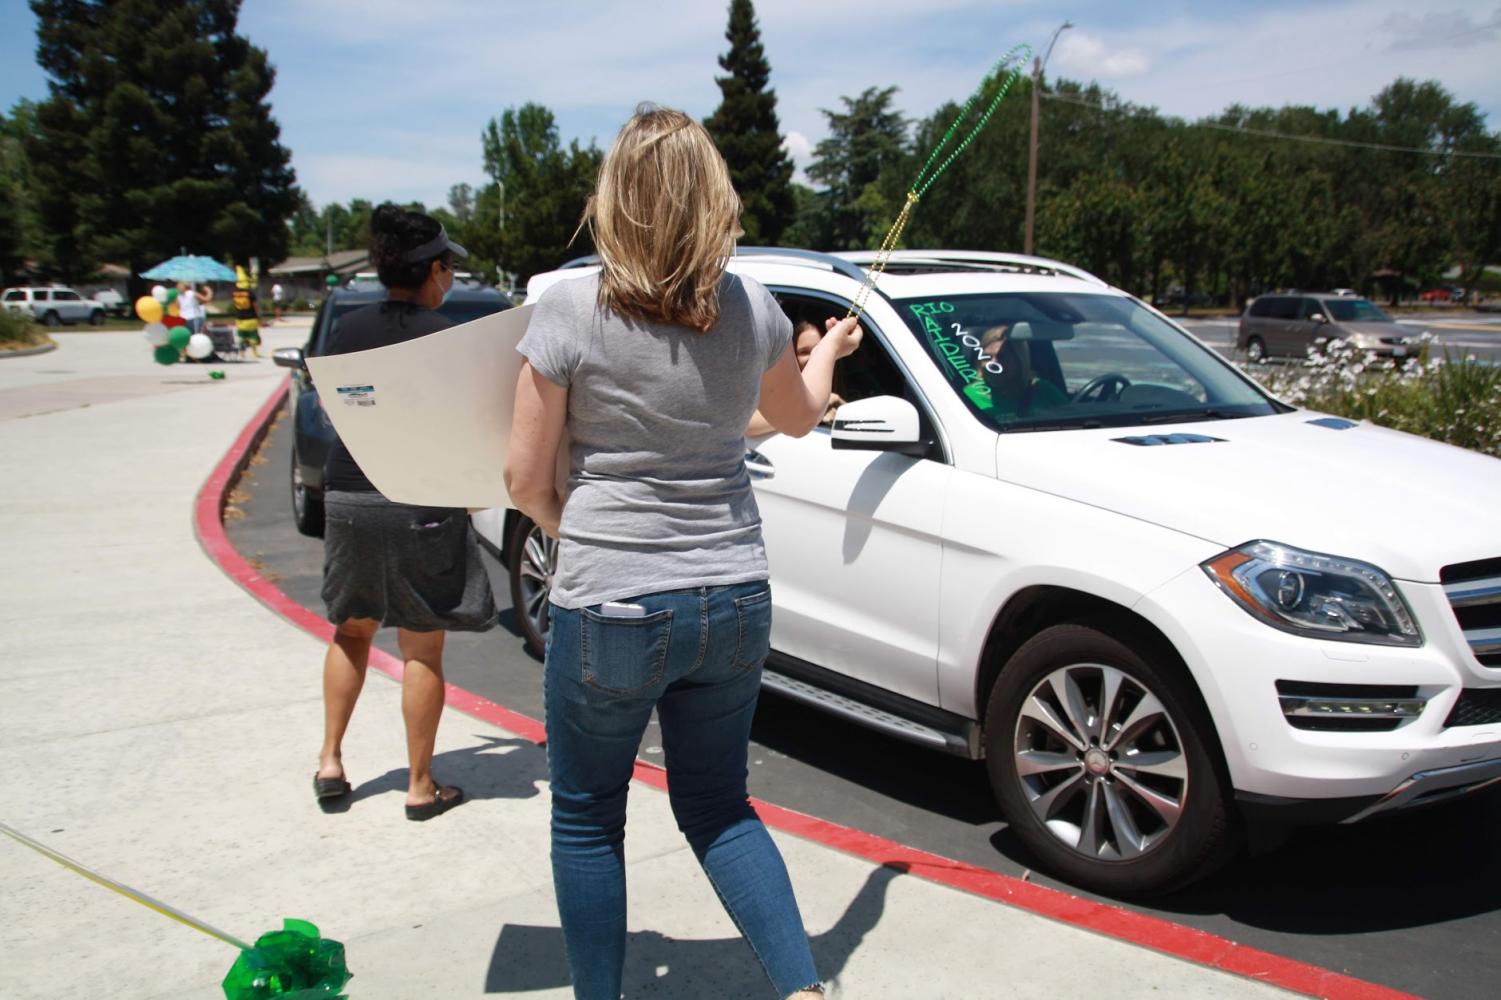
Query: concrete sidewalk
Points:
[160, 725]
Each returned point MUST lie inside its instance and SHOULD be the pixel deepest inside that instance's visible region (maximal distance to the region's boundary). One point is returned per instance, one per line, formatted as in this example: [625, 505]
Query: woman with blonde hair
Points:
[660, 599]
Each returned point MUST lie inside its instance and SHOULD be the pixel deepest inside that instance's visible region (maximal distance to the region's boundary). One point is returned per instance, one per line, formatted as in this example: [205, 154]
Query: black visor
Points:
[433, 247]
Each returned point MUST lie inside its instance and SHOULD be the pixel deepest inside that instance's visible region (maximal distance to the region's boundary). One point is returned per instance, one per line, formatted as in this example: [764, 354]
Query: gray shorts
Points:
[416, 568]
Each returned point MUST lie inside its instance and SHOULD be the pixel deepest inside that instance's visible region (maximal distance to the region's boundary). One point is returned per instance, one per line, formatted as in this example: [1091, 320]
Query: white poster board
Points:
[429, 420]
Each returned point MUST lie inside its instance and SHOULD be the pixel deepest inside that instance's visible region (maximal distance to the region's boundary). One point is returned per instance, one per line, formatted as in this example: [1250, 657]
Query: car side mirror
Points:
[289, 357]
[1319, 318]
[879, 423]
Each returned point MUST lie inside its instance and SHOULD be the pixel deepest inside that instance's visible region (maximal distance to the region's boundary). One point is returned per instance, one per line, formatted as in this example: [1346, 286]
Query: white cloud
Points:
[798, 147]
[1081, 55]
[1452, 29]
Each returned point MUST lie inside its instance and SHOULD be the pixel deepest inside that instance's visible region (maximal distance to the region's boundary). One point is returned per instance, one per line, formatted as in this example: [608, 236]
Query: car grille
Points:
[1476, 707]
[1474, 591]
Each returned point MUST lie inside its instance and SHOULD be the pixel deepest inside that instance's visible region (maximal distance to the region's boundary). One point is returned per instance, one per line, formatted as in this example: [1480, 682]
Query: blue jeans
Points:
[696, 657]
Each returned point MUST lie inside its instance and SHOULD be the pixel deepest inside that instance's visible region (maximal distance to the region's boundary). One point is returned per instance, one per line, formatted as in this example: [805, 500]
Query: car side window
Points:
[1310, 308]
[1284, 307]
[870, 371]
[1262, 307]
[15, 296]
[41, 295]
[66, 296]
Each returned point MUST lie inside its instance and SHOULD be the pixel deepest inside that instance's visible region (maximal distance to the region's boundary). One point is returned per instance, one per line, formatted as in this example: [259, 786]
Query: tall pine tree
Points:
[157, 135]
[745, 128]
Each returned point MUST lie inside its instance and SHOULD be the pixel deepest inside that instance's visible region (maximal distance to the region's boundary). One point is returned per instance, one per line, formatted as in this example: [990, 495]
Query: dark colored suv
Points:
[313, 434]
[1290, 323]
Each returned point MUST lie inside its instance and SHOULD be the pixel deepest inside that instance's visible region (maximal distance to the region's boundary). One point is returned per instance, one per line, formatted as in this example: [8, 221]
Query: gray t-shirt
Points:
[659, 498]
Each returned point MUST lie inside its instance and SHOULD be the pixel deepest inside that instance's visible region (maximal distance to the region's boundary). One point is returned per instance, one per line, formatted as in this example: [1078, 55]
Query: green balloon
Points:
[178, 337]
[331, 280]
[166, 355]
[171, 295]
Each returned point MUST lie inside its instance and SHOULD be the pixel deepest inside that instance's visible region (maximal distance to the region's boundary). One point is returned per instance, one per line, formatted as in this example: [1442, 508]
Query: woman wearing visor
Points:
[416, 569]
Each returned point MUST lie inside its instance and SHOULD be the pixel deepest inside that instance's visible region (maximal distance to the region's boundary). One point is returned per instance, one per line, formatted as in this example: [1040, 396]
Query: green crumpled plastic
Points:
[294, 963]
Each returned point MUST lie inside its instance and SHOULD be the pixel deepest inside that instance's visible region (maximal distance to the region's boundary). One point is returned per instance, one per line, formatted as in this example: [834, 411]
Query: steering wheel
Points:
[1103, 387]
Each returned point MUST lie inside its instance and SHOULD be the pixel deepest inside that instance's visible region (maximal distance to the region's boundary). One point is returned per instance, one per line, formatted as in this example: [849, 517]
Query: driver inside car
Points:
[1015, 390]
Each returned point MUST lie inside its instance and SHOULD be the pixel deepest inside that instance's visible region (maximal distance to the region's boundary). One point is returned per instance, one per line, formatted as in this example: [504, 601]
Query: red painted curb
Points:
[1135, 928]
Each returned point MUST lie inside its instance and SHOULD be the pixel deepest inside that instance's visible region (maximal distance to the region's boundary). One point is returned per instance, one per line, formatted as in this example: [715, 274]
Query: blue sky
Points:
[386, 98]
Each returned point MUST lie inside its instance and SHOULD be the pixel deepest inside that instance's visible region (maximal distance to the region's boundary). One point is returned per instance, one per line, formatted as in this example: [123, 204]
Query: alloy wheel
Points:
[539, 560]
[1101, 762]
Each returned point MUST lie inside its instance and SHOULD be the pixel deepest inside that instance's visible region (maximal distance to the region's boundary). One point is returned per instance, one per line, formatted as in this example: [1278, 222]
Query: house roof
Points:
[338, 262]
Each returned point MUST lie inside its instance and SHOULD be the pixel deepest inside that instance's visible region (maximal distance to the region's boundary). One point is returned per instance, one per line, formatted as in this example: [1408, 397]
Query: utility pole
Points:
[1037, 65]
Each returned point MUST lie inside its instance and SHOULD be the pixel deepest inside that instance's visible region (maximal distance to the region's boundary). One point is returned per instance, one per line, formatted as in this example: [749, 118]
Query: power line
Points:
[1270, 134]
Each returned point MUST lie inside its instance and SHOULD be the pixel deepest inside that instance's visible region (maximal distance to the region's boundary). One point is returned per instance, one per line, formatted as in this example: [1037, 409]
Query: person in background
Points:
[416, 569]
[660, 600]
[247, 317]
[189, 307]
[276, 301]
[805, 337]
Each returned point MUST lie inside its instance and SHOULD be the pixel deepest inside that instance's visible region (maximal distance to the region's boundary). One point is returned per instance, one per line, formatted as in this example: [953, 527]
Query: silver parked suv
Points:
[53, 305]
[1290, 323]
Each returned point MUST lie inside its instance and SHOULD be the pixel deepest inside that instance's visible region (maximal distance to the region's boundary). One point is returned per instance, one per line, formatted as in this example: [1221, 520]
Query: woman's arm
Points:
[532, 459]
[759, 426]
[793, 402]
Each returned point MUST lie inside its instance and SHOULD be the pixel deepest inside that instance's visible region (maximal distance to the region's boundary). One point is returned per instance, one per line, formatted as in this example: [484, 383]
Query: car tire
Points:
[1256, 351]
[531, 558]
[1066, 774]
[96, 318]
[307, 503]
[51, 318]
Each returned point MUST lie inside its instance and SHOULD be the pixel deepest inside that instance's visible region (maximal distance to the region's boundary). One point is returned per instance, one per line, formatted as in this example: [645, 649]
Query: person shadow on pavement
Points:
[472, 768]
[528, 958]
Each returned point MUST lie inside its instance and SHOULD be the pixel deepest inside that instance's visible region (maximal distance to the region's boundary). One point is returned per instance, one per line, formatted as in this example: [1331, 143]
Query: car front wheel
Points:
[307, 504]
[1104, 763]
[51, 318]
[96, 318]
[1255, 350]
[532, 558]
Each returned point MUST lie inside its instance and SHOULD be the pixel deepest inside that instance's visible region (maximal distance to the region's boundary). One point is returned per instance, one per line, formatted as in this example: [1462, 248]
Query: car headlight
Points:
[1315, 595]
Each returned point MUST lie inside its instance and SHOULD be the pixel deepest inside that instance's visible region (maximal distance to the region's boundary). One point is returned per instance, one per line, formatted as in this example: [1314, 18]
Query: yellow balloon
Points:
[173, 309]
[148, 309]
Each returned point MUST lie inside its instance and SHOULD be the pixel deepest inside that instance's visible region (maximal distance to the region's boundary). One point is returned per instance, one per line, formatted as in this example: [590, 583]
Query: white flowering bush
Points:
[1456, 400]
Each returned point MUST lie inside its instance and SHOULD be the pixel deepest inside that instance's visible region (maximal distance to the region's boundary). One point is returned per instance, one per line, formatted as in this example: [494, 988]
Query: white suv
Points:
[1052, 529]
[53, 305]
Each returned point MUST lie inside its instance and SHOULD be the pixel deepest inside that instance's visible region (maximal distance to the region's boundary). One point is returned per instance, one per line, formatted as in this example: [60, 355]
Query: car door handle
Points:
[757, 465]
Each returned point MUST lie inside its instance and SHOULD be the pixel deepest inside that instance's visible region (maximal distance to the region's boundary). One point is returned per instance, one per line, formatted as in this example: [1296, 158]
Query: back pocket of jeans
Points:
[624, 655]
[753, 613]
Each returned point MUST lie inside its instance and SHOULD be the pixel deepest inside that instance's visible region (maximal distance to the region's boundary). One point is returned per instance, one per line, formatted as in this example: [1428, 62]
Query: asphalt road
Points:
[1412, 902]
[1461, 333]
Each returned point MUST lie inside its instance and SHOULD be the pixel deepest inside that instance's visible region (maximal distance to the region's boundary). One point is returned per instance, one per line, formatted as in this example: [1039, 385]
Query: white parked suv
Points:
[1052, 529]
[53, 305]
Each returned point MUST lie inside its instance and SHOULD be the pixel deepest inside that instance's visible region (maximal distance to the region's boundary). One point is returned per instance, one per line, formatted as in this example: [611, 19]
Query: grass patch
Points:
[1454, 399]
[18, 332]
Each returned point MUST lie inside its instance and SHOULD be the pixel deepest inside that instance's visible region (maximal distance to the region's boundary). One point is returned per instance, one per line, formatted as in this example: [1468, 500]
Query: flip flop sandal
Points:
[439, 805]
[329, 788]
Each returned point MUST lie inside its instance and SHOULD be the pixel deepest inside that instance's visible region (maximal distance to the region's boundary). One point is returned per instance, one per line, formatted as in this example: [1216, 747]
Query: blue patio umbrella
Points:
[189, 268]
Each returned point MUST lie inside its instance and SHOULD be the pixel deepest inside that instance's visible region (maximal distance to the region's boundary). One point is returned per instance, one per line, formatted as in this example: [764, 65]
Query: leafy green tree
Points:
[17, 219]
[746, 130]
[526, 218]
[865, 141]
[157, 135]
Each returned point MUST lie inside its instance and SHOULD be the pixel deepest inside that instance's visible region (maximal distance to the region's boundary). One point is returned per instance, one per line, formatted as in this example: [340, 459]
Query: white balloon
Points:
[200, 346]
[159, 292]
[157, 335]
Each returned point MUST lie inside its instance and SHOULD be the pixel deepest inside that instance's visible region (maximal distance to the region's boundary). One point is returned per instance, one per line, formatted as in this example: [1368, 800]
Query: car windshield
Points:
[1347, 310]
[1048, 360]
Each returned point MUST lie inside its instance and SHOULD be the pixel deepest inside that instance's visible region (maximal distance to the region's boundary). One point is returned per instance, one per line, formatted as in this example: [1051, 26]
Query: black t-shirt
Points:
[378, 325]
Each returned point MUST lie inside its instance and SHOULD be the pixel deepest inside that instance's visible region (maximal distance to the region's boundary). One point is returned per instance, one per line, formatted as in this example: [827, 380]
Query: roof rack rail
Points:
[838, 265]
[977, 259]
